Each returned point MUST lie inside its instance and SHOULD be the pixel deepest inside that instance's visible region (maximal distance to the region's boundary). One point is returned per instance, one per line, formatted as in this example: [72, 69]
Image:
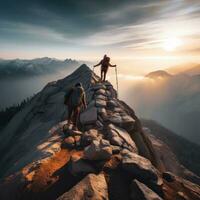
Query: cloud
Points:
[136, 25]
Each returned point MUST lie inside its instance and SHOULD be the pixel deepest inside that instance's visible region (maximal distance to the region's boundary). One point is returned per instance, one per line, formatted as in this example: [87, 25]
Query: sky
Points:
[154, 32]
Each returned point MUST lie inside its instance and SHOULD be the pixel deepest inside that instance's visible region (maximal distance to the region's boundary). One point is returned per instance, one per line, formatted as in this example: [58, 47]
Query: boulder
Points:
[91, 104]
[92, 187]
[125, 122]
[99, 125]
[100, 103]
[140, 191]
[69, 142]
[116, 140]
[102, 97]
[101, 92]
[118, 136]
[78, 166]
[98, 150]
[138, 166]
[89, 136]
[89, 116]
[112, 104]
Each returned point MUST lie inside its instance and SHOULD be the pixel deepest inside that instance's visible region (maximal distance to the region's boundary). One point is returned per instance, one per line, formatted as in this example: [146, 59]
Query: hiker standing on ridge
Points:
[75, 98]
[105, 64]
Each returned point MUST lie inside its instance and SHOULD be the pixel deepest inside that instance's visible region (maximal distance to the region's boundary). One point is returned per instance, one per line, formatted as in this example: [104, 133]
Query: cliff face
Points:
[111, 157]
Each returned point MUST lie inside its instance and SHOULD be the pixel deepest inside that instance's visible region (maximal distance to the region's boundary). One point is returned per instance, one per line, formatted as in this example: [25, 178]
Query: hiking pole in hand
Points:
[116, 78]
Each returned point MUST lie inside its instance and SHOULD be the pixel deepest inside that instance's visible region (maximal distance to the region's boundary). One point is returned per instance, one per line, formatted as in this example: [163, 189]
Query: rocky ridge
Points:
[111, 156]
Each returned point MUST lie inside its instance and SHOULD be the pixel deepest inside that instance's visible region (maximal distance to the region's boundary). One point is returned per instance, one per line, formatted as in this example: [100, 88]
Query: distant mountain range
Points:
[158, 74]
[38, 66]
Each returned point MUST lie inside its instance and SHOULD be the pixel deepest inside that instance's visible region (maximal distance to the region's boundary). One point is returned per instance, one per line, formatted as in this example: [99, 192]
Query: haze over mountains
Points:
[172, 100]
[20, 78]
[37, 66]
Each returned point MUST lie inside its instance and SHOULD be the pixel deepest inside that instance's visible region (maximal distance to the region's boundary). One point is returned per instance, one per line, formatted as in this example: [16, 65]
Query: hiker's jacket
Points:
[75, 97]
[105, 63]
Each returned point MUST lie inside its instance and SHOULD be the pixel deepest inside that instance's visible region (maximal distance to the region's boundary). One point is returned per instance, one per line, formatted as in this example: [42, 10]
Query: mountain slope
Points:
[187, 152]
[111, 157]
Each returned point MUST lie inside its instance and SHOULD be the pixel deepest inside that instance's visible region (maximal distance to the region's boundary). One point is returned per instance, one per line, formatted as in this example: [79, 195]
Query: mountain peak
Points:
[110, 156]
[158, 74]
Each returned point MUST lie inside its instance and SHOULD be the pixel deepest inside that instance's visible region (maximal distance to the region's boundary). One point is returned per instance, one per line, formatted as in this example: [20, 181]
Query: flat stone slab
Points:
[98, 150]
[138, 166]
[102, 97]
[89, 116]
[101, 92]
[100, 103]
[141, 191]
[125, 122]
[92, 187]
[124, 135]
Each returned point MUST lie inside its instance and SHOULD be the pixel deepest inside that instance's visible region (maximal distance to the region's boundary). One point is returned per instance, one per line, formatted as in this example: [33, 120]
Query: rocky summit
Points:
[111, 156]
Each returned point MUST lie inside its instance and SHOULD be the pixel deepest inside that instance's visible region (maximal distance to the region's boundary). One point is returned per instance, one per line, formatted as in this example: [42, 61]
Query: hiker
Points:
[105, 64]
[75, 98]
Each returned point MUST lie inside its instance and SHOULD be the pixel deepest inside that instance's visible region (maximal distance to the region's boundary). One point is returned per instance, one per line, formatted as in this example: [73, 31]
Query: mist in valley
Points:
[173, 102]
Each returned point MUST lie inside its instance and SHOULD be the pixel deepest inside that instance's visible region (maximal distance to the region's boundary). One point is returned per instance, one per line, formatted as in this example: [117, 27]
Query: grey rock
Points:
[100, 103]
[88, 137]
[92, 187]
[140, 191]
[112, 104]
[98, 150]
[101, 92]
[91, 104]
[138, 166]
[125, 122]
[101, 97]
[118, 136]
[89, 116]
[99, 125]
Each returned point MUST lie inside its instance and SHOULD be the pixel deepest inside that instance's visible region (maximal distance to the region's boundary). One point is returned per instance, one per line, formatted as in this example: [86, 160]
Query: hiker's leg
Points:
[101, 75]
[70, 113]
[105, 72]
[76, 116]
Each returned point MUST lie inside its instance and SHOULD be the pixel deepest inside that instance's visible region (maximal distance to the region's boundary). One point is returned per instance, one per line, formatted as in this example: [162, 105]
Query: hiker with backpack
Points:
[75, 99]
[105, 64]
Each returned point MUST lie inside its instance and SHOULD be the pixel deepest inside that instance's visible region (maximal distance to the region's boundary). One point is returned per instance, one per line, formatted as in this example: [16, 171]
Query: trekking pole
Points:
[116, 79]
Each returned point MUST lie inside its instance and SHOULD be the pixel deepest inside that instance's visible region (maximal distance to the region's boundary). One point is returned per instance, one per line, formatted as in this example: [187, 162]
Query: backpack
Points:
[105, 63]
[77, 96]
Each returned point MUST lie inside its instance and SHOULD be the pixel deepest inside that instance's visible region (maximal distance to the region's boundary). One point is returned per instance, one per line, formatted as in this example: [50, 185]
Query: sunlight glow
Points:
[171, 43]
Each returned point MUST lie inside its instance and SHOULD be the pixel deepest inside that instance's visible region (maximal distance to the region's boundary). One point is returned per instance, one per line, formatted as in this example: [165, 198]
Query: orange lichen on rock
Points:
[45, 176]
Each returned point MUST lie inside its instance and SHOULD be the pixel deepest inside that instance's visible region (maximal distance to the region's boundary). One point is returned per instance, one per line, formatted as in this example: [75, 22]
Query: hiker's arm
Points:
[112, 65]
[97, 64]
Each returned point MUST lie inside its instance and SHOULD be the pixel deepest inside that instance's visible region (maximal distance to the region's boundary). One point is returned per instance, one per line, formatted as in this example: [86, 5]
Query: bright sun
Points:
[171, 43]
